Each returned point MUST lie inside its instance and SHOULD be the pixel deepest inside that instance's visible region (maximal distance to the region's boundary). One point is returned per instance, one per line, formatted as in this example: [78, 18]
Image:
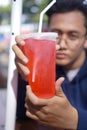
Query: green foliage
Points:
[35, 18]
[43, 5]
[5, 13]
[6, 9]
[31, 8]
[29, 5]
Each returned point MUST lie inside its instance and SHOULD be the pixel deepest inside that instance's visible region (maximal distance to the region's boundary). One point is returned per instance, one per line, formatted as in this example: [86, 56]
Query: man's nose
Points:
[62, 39]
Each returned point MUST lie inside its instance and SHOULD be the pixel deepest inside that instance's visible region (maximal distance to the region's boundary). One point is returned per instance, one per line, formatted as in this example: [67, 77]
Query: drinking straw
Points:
[42, 13]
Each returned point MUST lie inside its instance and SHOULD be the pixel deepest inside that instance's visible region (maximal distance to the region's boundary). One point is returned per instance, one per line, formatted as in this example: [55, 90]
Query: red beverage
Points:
[42, 57]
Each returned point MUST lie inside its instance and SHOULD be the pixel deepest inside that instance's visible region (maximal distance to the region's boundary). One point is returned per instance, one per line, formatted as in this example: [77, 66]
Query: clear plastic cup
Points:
[40, 49]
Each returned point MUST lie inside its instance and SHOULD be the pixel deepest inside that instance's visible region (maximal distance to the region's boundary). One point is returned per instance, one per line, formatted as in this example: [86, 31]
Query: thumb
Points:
[59, 90]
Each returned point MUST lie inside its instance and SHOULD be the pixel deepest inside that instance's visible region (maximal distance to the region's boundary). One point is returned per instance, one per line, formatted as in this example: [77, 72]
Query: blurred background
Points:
[29, 23]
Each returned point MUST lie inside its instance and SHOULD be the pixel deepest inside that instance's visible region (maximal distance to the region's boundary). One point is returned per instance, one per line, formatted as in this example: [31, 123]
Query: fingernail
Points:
[22, 43]
[25, 60]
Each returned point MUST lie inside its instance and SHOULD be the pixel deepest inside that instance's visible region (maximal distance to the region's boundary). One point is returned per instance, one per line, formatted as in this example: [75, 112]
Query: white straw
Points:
[42, 13]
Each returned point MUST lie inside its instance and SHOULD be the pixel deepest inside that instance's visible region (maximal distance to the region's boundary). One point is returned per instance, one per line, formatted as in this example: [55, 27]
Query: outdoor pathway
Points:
[3, 93]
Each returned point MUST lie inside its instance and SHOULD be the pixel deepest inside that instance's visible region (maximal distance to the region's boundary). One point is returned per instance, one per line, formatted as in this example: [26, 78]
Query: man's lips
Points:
[60, 55]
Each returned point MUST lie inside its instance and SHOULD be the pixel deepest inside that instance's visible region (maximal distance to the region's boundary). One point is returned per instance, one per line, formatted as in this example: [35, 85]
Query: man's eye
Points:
[73, 37]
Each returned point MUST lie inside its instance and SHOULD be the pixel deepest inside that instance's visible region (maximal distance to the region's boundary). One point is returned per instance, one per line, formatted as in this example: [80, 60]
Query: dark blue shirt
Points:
[76, 92]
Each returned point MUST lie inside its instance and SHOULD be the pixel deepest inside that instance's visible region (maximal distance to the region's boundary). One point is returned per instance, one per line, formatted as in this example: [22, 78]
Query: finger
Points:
[59, 81]
[58, 86]
[31, 115]
[40, 117]
[37, 112]
[19, 41]
[19, 54]
[34, 99]
[23, 70]
[36, 118]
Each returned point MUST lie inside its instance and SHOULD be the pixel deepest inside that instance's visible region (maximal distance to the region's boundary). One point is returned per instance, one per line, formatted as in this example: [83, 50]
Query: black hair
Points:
[63, 6]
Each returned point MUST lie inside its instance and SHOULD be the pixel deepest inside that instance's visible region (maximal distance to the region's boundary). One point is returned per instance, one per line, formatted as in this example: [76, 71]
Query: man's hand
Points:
[54, 112]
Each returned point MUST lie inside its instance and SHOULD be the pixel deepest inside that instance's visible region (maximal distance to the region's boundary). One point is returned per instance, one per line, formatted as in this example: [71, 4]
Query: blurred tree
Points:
[5, 13]
[33, 8]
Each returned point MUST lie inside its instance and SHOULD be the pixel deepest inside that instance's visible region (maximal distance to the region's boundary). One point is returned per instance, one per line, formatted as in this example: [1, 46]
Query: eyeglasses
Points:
[70, 36]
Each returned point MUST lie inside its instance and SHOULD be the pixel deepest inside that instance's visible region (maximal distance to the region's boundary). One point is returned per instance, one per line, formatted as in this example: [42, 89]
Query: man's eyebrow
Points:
[54, 29]
[74, 32]
[71, 31]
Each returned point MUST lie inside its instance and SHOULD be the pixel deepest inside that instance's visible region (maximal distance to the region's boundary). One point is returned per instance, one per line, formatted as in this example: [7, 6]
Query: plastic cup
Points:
[40, 49]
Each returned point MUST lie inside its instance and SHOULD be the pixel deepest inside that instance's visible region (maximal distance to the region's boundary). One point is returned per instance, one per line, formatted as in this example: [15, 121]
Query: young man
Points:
[68, 109]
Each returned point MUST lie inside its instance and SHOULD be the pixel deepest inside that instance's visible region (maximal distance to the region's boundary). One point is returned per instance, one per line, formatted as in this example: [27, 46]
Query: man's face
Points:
[71, 30]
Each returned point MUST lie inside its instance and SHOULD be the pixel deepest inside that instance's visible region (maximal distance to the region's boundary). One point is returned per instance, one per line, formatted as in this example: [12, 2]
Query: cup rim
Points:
[42, 35]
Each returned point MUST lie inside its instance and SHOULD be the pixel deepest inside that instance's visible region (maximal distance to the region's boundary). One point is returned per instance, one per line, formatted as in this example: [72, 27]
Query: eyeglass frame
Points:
[72, 38]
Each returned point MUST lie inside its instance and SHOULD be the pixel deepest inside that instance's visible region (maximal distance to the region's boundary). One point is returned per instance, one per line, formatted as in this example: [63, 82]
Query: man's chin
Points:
[61, 63]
